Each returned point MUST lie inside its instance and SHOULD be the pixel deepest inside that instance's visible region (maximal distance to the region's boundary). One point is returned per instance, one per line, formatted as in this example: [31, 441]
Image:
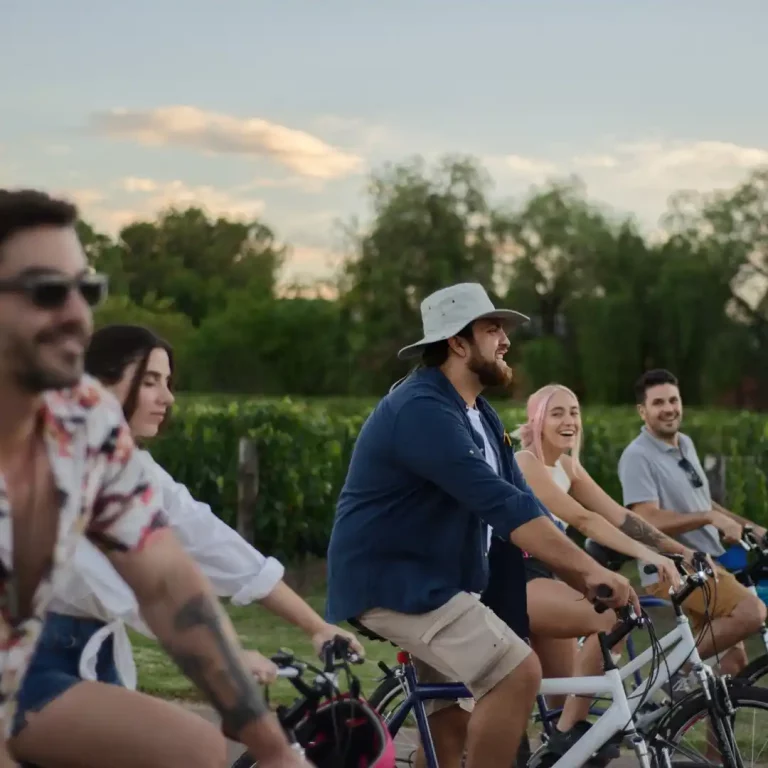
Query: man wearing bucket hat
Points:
[432, 470]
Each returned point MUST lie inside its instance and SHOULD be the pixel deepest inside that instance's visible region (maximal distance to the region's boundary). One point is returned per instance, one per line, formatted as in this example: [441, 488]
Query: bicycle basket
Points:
[346, 732]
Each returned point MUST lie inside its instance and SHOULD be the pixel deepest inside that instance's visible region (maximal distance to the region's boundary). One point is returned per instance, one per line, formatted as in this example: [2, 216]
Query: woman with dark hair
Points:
[84, 661]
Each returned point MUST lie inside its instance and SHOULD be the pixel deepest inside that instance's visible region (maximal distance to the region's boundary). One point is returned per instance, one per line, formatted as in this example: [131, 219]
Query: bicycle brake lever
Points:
[282, 658]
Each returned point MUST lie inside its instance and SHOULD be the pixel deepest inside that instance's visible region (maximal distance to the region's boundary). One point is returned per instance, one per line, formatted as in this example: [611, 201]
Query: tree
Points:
[271, 346]
[430, 229]
[732, 228]
[197, 262]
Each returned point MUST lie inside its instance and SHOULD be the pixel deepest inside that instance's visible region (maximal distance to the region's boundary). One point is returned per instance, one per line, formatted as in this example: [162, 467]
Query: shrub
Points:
[304, 450]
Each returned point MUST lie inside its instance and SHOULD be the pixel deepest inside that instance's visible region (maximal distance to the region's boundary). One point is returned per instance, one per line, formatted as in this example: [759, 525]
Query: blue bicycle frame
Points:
[415, 701]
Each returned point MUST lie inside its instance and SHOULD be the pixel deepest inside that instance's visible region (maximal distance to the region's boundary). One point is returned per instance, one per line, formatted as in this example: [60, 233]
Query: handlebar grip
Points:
[700, 562]
[606, 593]
[338, 648]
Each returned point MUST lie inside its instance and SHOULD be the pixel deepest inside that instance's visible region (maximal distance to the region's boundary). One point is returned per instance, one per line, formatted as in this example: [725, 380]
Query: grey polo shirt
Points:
[649, 470]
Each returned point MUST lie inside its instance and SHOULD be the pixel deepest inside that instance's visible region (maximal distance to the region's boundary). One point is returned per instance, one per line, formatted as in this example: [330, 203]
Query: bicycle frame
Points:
[621, 717]
[417, 695]
[616, 719]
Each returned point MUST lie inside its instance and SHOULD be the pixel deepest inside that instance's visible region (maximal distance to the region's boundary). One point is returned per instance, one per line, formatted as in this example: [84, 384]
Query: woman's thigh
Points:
[559, 611]
[95, 724]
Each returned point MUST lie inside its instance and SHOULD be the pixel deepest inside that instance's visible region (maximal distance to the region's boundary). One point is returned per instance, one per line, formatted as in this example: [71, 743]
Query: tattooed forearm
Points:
[209, 657]
[636, 528]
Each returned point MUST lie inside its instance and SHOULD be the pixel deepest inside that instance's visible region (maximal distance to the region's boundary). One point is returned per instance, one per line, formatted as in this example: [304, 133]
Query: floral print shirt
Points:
[103, 492]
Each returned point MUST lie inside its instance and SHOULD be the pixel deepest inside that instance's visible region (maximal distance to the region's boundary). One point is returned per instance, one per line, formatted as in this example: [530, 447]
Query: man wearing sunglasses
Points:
[68, 468]
[663, 480]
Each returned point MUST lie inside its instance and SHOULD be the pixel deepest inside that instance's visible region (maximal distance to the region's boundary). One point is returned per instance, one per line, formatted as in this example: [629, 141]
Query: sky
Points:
[282, 108]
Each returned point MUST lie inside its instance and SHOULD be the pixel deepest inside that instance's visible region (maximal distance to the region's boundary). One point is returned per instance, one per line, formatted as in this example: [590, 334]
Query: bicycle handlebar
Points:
[335, 655]
[691, 581]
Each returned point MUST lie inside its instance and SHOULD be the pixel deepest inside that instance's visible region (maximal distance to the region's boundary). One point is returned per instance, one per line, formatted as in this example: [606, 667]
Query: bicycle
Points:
[750, 575]
[324, 725]
[633, 719]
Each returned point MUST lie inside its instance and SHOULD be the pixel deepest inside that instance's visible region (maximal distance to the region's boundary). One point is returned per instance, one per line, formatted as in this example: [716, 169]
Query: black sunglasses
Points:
[50, 291]
[691, 473]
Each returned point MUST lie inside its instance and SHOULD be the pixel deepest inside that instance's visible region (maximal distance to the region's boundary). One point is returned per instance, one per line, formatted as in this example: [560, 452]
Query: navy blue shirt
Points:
[411, 523]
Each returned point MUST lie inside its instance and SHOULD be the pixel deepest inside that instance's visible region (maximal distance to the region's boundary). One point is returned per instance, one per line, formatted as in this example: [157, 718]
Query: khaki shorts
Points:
[724, 596]
[462, 640]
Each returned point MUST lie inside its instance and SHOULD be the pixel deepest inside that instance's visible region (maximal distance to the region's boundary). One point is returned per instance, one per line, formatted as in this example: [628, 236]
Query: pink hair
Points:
[536, 411]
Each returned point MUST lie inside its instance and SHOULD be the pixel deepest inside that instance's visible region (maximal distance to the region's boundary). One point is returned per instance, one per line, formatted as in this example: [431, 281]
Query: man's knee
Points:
[524, 680]
[449, 725]
[751, 614]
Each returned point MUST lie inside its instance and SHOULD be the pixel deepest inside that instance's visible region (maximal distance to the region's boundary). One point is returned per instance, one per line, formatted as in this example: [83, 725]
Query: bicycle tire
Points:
[694, 707]
[756, 670]
[382, 692]
[391, 686]
[245, 761]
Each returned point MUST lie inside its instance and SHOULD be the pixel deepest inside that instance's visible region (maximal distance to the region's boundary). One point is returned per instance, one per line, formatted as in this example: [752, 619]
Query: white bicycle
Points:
[660, 733]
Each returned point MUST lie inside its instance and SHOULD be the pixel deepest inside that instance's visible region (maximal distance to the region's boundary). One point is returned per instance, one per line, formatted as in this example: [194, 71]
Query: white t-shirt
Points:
[490, 454]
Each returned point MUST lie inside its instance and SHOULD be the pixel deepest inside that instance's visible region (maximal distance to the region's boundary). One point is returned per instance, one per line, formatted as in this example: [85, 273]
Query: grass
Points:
[260, 630]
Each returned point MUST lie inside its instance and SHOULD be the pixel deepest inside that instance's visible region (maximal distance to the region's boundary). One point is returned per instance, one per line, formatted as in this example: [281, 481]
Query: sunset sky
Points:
[280, 108]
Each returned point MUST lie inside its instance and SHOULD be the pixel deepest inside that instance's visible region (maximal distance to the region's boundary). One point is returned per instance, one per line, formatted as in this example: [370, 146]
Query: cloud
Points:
[641, 176]
[529, 167]
[364, 136]
[308, 263]
[133, 198]
[212, 132]
[84, 197]
[692, 163]
[637, 177]
[135, 184]
[596, 161]
[57, 150]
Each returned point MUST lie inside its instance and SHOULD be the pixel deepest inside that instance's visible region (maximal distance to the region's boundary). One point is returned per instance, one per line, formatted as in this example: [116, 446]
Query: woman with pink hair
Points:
[549, 460]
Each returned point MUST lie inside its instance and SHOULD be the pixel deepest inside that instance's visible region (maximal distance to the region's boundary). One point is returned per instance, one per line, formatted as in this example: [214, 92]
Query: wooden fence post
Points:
[715, 468]
[247, 486]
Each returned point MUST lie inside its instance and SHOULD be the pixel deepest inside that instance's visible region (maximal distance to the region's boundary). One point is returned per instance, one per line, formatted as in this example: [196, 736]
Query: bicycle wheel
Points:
[386, 700]
[689, 735]
[755, 673]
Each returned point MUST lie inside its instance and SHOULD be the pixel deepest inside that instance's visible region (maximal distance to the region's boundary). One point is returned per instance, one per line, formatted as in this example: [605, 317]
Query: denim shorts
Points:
[54, 667]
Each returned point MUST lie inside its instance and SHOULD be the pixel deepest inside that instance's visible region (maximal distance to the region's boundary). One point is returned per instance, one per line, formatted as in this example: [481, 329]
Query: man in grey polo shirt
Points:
[663, 481]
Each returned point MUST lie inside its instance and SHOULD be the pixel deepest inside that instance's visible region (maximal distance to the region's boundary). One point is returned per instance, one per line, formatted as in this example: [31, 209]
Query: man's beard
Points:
[491, 373]
[34, 375]
[666, 430]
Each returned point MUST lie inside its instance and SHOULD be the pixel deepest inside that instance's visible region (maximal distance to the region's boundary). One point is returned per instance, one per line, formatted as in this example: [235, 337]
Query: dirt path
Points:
[235, 749]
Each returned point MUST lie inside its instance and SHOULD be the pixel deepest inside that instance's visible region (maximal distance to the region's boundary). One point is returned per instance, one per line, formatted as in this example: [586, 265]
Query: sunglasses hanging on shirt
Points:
[690, 472]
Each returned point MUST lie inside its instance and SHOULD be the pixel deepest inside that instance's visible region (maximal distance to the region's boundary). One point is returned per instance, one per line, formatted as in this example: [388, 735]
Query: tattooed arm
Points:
[180, 608]
[588, 493]
[637, 528]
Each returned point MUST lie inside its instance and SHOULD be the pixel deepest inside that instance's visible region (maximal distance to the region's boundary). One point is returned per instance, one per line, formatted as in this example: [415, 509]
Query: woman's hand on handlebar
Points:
[691, 557]
[667, 570]
[263, 669]
[328, 632]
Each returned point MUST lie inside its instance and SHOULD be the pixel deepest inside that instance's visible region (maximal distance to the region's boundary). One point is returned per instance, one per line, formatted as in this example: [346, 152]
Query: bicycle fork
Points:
[639, 745]
[721, 711]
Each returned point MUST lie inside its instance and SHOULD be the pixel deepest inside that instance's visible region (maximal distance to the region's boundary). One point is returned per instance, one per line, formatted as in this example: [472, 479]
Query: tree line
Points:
[605, 301]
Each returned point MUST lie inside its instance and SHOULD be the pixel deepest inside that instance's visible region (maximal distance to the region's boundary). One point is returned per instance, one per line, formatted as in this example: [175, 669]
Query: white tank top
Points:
[560, 476]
